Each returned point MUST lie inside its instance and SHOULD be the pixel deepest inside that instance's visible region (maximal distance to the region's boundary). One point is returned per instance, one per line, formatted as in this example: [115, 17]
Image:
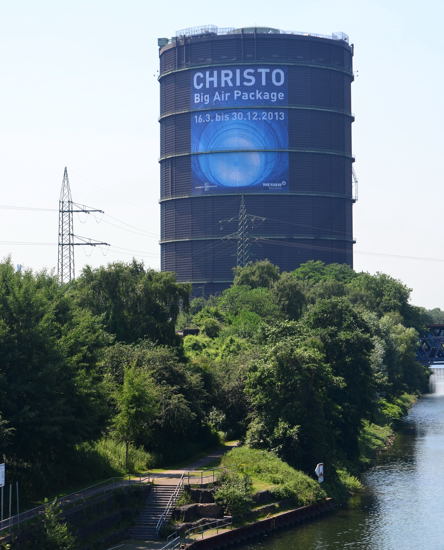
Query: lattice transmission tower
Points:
[67, 239]
[245, 224]
[243, 236]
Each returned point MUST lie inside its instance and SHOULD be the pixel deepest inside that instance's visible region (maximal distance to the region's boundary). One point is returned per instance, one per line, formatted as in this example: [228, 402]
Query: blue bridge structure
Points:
[431, 353]
[431, 346]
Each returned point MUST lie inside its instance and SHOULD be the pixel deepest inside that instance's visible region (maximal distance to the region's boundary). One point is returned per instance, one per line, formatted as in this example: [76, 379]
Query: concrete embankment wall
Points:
[265, 526]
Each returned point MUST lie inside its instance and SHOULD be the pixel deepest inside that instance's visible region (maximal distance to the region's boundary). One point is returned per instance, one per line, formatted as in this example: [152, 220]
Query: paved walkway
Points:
[171, 477]
[138, 545]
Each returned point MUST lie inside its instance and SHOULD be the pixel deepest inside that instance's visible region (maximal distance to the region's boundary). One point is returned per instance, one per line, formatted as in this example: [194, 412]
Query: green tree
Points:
[289, 391]
[315, 271]
[234, 493]
[133, 302]
[379, 293]
[289, 294]
[436, 315]
[347, 344]
[259, 300]
[256, 275]
[228, 392]
[58, 535]
[182, 397]
[47, 396]
[137, 403]
[51, 531]
[404, 372]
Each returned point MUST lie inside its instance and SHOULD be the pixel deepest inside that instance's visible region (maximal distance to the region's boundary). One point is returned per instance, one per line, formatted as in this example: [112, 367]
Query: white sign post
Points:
[319, 471]
[2, 484]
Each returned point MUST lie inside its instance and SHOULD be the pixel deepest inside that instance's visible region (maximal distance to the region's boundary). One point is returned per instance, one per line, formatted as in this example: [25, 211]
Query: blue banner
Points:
[239, 130]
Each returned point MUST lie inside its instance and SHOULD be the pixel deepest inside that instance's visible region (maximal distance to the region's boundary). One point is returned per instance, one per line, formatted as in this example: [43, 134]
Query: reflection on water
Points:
[403, 506]
[437, 380]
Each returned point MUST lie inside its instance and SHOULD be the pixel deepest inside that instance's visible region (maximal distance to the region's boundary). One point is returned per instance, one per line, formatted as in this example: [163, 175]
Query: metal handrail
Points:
[170, 505]
[108, 485]
[177, 538]
[200, 480]
[172, 544]
[223, 522]
[220, 31]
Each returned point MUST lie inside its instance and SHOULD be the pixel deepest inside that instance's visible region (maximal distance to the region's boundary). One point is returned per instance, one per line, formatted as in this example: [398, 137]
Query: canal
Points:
[403, 505]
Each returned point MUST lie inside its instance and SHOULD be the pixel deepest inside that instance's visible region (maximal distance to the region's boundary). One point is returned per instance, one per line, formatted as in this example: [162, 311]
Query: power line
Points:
[129, 225]
[219, 242]
[26, 243]
[363, 252]
[139, 232]
[81, 209]
[131, 250]
[31, 208]
[400, 256]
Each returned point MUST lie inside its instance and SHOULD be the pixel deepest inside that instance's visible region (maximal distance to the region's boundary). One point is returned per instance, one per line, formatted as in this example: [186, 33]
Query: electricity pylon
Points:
[66, 242]
[245, 223]
[243, 236]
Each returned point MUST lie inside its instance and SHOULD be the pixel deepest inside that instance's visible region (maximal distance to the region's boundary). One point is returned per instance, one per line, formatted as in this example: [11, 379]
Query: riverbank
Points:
[398, 508]
[379, 435]
[276, 481]
[227, 537]
[376, 439]
[263, 527]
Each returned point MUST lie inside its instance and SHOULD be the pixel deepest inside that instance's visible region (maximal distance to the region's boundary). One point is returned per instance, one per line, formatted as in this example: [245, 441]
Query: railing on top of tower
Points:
[218, 31]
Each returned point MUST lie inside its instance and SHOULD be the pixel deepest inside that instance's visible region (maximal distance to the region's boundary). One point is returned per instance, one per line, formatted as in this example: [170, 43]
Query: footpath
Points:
[162, 477]
[172, 477]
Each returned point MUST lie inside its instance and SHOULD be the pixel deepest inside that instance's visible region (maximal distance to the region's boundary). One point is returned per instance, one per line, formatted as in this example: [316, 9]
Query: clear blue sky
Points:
[78, 87]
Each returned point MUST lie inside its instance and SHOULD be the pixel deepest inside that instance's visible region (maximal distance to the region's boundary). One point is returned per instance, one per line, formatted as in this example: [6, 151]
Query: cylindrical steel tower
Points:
[260, 118]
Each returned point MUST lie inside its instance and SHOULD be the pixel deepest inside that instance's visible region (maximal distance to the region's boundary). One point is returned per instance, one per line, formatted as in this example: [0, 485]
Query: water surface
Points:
[403, 506]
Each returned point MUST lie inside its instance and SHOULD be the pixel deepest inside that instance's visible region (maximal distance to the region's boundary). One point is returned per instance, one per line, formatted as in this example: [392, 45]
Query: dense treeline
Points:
[296, 363]
[312, 355]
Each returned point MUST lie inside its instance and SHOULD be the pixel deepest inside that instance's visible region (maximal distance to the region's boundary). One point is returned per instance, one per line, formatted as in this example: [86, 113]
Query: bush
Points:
[351, 483]
[50, 532]
[235, 494]
[372, 439]
[211, 327]
[390, 412]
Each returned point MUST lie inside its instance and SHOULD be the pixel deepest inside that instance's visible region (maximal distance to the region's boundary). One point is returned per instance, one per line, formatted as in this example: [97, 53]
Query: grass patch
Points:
[376, 436]
[372, 439]
[93, 464]
[283, 481]
[350, 482]
[259, 485]
[114, 453]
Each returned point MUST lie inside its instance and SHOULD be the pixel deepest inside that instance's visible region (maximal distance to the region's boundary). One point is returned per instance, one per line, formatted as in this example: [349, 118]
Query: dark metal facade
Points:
[312, 219]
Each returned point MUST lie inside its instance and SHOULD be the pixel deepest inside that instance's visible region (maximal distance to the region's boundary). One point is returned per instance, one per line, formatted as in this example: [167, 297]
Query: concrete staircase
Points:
[156, 504]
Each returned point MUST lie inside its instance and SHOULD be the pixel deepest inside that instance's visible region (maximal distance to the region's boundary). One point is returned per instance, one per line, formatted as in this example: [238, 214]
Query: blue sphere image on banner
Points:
[242, 149]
